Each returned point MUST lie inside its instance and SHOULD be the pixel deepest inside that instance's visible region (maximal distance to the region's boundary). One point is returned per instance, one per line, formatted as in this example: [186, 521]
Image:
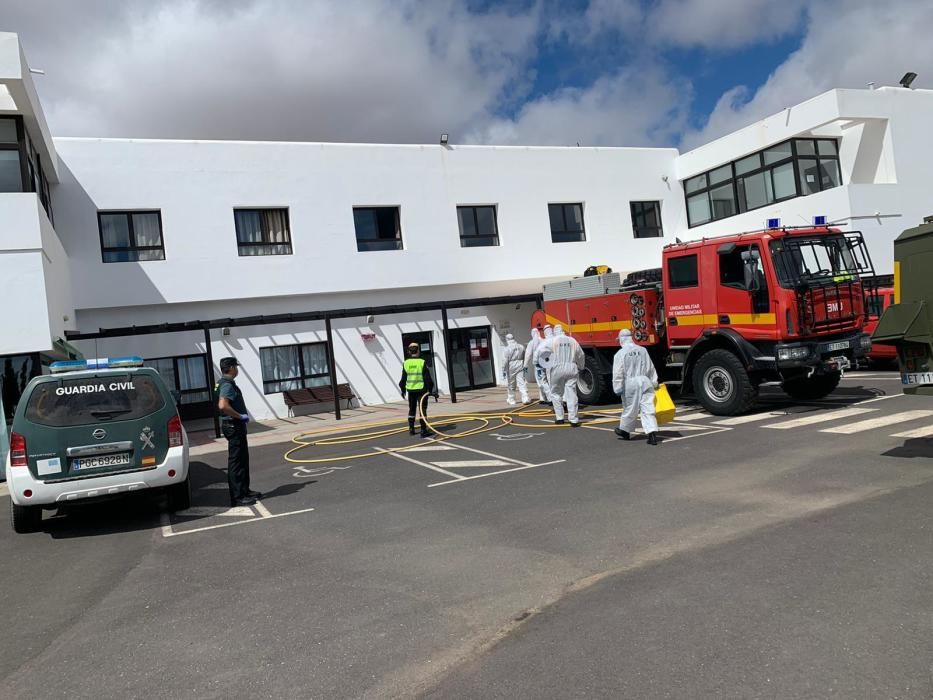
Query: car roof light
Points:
[95, 363]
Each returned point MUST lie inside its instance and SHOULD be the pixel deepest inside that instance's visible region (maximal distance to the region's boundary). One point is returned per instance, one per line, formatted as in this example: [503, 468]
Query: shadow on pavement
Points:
[915, 447]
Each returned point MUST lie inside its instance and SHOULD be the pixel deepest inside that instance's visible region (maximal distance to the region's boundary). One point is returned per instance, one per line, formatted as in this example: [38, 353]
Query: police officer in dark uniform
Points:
[233, 422]
[416, 382]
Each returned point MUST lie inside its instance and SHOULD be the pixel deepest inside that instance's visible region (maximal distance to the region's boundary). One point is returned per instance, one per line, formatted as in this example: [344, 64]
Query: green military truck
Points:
[908, 322]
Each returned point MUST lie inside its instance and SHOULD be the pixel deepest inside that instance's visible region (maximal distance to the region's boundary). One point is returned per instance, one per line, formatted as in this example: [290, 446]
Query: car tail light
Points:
[175, 435]
[18, 455]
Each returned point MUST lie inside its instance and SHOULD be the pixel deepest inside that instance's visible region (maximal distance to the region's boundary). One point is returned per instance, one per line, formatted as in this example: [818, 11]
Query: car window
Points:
[89, 400]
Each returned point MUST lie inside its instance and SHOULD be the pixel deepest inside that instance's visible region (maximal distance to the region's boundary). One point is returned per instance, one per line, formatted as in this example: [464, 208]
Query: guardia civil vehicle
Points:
[93, 430]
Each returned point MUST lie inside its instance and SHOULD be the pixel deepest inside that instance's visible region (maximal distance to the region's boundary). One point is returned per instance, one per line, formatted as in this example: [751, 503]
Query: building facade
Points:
[121, 233]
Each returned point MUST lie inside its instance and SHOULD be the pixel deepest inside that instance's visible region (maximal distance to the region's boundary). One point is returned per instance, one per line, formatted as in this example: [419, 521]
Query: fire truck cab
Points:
[724, 315]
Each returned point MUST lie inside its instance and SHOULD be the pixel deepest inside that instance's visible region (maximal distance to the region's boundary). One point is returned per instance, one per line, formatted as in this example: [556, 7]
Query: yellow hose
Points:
[336, 436]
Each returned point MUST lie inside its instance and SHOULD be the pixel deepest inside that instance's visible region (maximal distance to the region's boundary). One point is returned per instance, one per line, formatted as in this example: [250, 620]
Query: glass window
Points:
[290, 367]
[827, 147]
[262, 232]
[829, 173]
[646, 219]
[134, 396]
[777, 153]
[698, 208]
[186, 374]
[377, 228]
[806, 147]
[720, 174]
[723, 201]
[11, 177]
[129, 236]
[748, 164]
[755, 191]
[682, 272]
[809, 176]
[8, 131]
[695, 183]
[784, 183]
[478, 226]
[566, 223]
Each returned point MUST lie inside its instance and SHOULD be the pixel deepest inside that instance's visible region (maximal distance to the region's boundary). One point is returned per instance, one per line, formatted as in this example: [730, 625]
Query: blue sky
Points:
[528, 72]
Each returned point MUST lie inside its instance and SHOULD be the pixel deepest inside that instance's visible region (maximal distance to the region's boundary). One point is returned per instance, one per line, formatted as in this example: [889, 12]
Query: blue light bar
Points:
[95, 363]
[819, 220]
[774, 223]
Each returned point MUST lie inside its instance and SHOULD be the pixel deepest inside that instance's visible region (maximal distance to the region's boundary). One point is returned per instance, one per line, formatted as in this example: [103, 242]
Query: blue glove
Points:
[244, 417]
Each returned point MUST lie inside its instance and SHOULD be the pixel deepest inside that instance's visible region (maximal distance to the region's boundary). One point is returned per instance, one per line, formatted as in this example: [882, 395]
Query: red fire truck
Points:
[724, 315]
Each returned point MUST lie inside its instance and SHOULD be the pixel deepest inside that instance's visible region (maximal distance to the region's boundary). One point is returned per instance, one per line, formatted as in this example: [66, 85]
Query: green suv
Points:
[94, 429]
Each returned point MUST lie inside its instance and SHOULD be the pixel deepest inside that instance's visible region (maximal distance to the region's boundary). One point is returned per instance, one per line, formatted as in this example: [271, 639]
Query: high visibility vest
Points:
[414, 374]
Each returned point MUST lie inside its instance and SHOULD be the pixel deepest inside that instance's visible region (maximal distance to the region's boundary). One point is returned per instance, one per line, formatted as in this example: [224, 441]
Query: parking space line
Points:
[879, 422]
[490, 454]
[923, 432]
[167, 530]
[473, 463]
[436, 447]
[262, 510]
[502, 471]
[818, 417]
[750, 418]
[399, 455]
[4, 491]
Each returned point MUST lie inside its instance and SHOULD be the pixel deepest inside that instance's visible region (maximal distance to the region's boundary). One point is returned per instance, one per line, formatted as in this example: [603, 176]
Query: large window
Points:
[20, 164]
[130, 236]
[289, 367]
[478, 226]
[377, 228]
[682, 272]
[186, 374]
[646, 219]
[566, 223]
[794, 168]
[11, 174]
[262, 232]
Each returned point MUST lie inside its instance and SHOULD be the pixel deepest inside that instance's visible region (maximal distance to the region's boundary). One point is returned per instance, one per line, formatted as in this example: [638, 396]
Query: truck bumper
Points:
[823, 355]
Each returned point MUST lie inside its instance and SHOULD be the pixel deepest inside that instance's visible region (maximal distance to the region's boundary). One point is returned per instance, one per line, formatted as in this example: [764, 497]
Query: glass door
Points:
[471, 358]
[425, 341]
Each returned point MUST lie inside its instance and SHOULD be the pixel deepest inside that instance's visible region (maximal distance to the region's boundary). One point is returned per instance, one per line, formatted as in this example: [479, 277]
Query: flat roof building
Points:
[114, 233]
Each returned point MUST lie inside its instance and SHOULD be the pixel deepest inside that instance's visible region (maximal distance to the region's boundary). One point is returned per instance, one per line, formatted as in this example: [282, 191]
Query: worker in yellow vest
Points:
[416, 382]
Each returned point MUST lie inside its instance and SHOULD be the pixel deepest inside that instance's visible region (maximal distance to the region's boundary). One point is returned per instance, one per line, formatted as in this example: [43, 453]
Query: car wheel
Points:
[722, 385]
[592, 385]
[179, 495]
[25, 518]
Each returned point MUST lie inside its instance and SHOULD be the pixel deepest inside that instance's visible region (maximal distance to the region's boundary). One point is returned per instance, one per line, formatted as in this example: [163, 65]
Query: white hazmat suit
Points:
[565, 360]
[513, 369]
[531, 354]
[635, 379]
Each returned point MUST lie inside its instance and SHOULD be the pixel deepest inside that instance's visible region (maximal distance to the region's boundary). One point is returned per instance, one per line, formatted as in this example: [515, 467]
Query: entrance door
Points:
[425, 341]
[471, 358]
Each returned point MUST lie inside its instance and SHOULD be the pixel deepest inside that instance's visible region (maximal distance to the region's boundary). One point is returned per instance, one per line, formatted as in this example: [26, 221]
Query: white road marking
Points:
[926, 431]
[4, 491]
[203, 511]
[172, 533]
[472, 463]
[489, 454]
[879, 422]
[818, 417]
[503, 471]
[880, 398]
[699, 415]
[219, 485]
[429, 448]
[262, 510]
[399, 455]
[166, 525]
[749, 418]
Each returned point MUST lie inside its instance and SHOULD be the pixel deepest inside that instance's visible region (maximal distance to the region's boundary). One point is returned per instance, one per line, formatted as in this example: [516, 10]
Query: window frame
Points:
[32, 176]
[399, 238]
[264, 231]
[301, 367]
[128, 213]
[644, 216]
[740, 202]
[182, 392]
[565, 231]
[477, 236]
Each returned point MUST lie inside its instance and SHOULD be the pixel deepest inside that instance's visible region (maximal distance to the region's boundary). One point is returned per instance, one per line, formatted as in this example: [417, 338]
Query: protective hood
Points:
[625, 337]
[510, 340]
[558, 329]
[535, 334]
[548, 331]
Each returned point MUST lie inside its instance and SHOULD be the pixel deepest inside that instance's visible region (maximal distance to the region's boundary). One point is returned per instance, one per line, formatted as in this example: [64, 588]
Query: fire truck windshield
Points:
[806, 261]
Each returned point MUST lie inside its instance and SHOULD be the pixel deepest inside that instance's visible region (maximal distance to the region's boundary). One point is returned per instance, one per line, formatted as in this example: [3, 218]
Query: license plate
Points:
[910, 378]
[841, 345]
[102, 461]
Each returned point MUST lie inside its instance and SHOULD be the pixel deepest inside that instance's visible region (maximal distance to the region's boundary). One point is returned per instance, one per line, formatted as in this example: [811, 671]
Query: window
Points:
[682, 272]
[262, 232]
[135, 399]
[186, 374]
[377, 228]
[646, 219]
[478, 226]
[791, 169]
[131, 236]
[11, 175]
[566, 223]
[289, 367]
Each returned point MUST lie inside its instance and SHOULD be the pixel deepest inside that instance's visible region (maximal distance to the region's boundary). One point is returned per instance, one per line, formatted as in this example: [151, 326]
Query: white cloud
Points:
[847, 44]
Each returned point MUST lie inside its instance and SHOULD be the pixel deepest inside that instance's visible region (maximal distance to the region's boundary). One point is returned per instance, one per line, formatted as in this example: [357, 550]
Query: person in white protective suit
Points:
[530, 362]
[536, 358]
[513, 369]
[565, 360]
[635, 380]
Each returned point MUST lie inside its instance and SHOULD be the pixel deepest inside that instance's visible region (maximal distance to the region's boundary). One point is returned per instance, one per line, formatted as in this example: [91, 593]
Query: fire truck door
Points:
[743, 299]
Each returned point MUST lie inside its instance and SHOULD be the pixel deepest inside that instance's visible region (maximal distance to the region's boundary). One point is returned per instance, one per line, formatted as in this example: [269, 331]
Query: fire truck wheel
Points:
[816, 387]
[722, 385]
[592, 385]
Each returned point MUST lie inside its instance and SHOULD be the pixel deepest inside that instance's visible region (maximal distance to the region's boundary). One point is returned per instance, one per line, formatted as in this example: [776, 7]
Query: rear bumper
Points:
[44, 493]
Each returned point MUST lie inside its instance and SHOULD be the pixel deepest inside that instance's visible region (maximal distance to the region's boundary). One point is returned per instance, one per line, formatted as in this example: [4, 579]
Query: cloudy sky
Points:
[594, 72]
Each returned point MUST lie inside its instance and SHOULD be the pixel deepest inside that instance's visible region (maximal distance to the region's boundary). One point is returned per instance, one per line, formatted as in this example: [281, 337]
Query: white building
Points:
[113, 233]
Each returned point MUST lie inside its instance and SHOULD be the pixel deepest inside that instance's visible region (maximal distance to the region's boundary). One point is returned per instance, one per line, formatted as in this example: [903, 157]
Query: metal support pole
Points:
[211, 380]
[450, 367]
[538, 302]
[332, 365]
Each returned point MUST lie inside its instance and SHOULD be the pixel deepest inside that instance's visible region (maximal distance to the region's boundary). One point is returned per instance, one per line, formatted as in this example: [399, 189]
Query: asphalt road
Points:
[784, 555]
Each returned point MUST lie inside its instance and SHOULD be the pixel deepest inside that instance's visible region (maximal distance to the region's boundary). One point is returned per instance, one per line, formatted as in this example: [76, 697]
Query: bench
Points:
[319, 394]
